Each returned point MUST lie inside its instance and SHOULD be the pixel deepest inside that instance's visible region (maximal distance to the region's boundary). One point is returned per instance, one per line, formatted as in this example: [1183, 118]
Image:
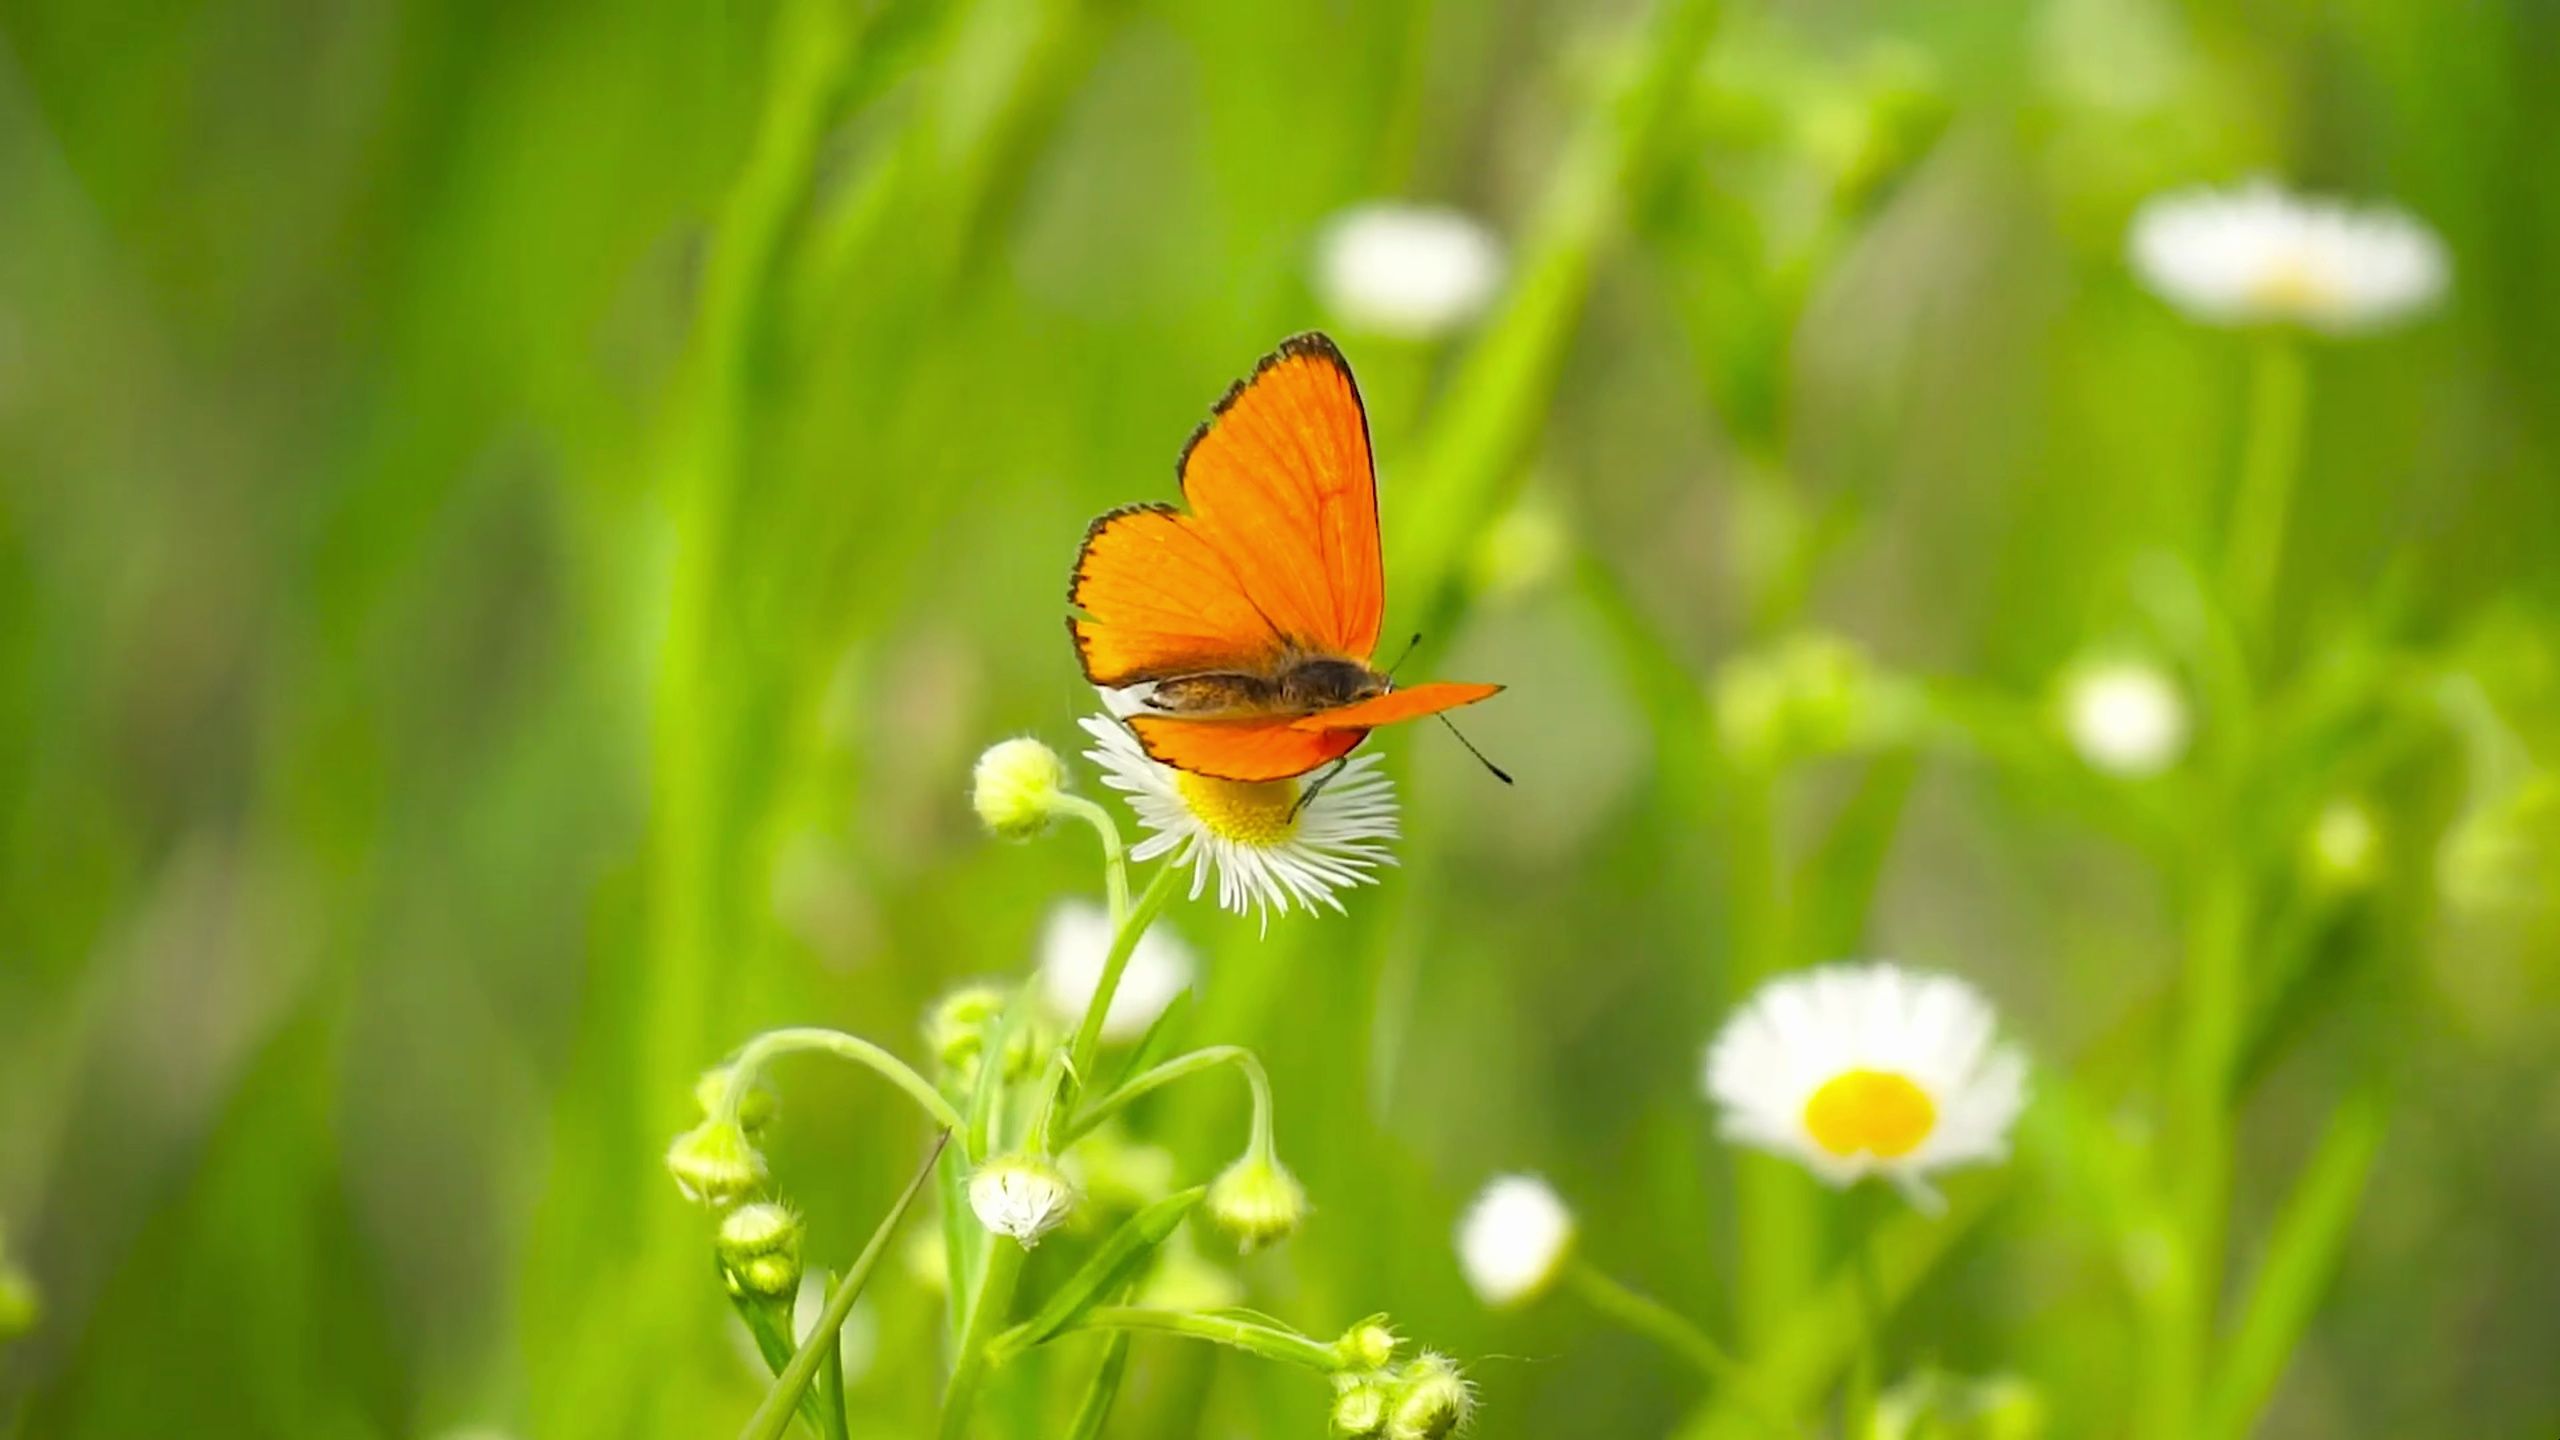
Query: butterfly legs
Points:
[1316, 786]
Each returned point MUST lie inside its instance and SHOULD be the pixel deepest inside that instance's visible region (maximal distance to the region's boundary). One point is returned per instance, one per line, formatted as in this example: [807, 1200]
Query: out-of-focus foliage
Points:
[516, 518]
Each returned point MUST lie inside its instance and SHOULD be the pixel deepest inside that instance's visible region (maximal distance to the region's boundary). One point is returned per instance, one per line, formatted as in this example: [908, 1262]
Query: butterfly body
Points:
[1251, 617]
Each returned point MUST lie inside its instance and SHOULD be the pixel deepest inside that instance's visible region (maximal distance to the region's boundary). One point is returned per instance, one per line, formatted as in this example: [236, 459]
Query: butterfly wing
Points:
[1263, 749]
[1410, 703]
[1279, 553]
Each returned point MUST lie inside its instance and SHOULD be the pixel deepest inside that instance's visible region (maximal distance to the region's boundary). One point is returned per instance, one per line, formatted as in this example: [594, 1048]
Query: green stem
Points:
[1124, 943]
[784, 1398]
[2200, 1136]
[1115, 856]
[766, 1047]
[1180, 1067]
[1098, 1396]
[1253, 1337]
[1866, 1217]
[2279, 392]
[1674, 1332]
[987, 1310]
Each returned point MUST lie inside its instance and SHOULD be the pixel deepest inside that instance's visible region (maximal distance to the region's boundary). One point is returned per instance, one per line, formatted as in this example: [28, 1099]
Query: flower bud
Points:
[1432, 1399]
[2343, 851]
[1369, 1345]
[1359, 1406]
[755, 1108]
[1021, 1197]
[759, 1249]
[1514, 1240]
[1257, 1201]
[2126, 717]
[1016, 787]
[714, 1163]
[20, 1306]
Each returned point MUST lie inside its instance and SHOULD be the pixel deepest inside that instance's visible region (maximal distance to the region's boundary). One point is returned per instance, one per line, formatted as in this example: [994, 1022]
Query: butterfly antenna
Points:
[1409, 647]
[1498, 772]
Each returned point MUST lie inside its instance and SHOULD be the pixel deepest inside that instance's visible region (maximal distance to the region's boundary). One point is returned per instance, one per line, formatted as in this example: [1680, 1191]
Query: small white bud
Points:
[1016, 787]
[1021, 1198]
[1514, 1240]
[2125, 717]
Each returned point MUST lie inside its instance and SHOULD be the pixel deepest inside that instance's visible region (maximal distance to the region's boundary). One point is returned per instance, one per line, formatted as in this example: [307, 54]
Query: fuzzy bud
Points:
[1360, 1404]
[759, 1249]
[1021, 1197]
[1432, 1399]
[714, 1163]
[1369, 1345]
[1015, 789]
[1257, 1201]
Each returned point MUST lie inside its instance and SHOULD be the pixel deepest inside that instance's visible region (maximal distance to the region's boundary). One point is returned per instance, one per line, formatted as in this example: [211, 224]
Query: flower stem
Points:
[1124, 943]
[1115, 856]
[1866, 1216]
[2279, 389]
[987, 1310]
[1674, 1332]
[1130, 1091]
[774, 1043]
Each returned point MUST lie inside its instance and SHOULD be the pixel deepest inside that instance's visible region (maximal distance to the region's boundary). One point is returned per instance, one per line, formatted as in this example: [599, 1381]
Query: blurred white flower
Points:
[1073, 944]
[1856, 1070]
[1514, 1239]
[1268, 851]
[2260, 255]
[2126, 717]
[1414, 272]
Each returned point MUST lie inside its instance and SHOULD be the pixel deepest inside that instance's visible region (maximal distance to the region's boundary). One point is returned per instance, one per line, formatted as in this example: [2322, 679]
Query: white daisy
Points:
[1268, 851]
[1414, 272]
[1074, 943]
[2126, 717]
[2260, 255]
[1859, 1070]
[1514, 1239]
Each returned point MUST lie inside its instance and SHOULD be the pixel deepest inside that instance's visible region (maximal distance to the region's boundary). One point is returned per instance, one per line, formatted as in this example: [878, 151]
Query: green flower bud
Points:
[1359, 1406]
[959, 1026]
[759, 1249]
[1021, 1197]
[714, 1163]
[1258, 1202]
[1432, 1399]
[1369, 1345]
[2343, 850]
[1016, 787]
[20, 1306]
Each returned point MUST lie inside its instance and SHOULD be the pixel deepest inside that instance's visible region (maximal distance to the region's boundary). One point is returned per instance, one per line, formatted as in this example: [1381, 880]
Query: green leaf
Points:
[775, 1413]
[1099, 1395]
[1111, 1266]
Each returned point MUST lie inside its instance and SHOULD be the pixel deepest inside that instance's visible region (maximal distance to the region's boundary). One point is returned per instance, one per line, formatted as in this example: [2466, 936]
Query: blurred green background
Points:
[515, 518]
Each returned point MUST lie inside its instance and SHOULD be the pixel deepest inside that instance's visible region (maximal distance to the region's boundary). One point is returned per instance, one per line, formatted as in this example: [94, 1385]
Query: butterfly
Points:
[1251, 618]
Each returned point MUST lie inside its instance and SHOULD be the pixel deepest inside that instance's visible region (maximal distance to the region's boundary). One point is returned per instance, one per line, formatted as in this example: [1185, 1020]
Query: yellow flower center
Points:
[1261, 813]
[1876, 1111]
[2291, 287]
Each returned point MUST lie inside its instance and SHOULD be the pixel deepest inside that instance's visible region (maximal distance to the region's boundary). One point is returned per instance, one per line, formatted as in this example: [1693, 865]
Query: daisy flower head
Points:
[1868, 1069]
[1073, 944]
[2260, 255]
[1414, 272]
[1268, 845]
[1514, 1239]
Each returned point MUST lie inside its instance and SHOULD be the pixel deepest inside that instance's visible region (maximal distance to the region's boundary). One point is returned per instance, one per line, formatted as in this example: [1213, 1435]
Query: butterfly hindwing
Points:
[1264, 749]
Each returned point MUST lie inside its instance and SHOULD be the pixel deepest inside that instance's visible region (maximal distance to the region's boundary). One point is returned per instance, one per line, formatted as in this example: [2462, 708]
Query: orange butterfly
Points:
[1253, 617]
